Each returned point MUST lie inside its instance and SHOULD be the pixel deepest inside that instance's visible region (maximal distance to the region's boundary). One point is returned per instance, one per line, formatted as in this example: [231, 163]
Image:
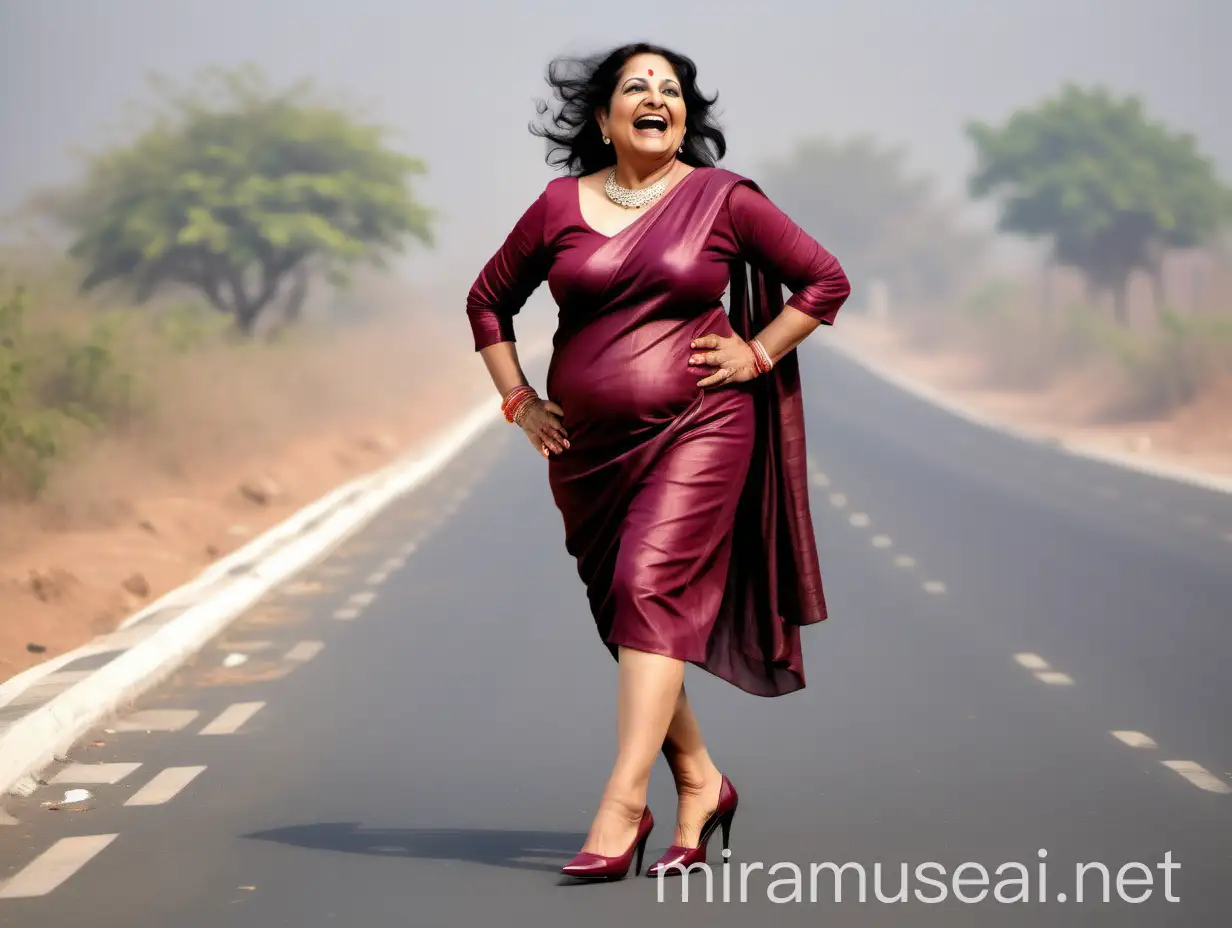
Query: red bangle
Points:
[764, 362]
[515, 399]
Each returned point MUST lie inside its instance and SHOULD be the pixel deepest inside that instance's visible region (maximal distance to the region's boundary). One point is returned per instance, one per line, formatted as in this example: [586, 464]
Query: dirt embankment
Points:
[1079, 406]
[239, 441]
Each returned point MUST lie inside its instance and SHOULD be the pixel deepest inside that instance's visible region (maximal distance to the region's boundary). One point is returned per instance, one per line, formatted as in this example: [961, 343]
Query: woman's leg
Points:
[649, 685]
[698, 780]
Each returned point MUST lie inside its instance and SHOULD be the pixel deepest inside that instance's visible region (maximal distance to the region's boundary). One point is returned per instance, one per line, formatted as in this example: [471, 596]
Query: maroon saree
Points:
[686, 509]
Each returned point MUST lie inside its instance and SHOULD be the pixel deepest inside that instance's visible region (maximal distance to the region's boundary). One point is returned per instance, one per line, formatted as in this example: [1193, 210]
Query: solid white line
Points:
[305, 651]
[860, 520]
[94, 773]
[1135, 739]
[346, 613]
[157, 720]
[935, 587]
[164, 787]
[1198, 775]
[882, 541]
[231, 718]
[54, 866]
[1054, 677]
[1031, 661]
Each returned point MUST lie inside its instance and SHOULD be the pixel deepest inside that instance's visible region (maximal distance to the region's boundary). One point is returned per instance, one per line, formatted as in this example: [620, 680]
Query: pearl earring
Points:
[606, 140]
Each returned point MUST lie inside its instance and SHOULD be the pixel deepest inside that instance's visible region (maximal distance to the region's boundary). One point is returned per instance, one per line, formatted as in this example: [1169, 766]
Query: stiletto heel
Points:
[726, 823]
[588, 866]
[677, 860]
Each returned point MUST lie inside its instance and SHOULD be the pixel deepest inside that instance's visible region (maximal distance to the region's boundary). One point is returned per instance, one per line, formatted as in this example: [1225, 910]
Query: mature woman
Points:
[673, 433]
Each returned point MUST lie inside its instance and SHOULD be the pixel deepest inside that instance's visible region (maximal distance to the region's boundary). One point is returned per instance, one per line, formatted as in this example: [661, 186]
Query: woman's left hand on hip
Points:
[731, 356]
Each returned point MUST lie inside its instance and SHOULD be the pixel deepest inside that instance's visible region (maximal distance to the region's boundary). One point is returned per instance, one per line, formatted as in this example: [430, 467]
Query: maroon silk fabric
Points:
[686, 509]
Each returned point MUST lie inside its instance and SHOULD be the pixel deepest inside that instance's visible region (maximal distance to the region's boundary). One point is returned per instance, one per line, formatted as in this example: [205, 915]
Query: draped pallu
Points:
[686, 509]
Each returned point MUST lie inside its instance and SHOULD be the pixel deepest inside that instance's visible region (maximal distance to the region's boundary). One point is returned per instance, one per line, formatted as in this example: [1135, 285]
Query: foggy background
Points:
[458, 80]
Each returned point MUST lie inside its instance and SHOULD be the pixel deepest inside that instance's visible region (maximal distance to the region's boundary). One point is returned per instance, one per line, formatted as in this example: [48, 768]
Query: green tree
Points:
[857, 197]
[1112, 189]
[243, 193]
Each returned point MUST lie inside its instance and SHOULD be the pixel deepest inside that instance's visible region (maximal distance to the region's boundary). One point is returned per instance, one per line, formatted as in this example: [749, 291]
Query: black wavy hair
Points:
[582, 85]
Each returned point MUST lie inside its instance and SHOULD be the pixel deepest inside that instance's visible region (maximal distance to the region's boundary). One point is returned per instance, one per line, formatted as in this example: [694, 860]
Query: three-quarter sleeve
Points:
[509, 278]
[770, 239]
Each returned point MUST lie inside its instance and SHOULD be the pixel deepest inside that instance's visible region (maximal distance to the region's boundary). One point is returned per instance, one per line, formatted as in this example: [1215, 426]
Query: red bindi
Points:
[650, 72]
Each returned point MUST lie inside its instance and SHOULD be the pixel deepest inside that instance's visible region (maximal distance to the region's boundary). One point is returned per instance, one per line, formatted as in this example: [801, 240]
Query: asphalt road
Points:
[1026, 651]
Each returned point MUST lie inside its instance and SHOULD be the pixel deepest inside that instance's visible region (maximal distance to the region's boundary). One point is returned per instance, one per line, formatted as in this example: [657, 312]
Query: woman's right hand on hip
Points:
[542, 425]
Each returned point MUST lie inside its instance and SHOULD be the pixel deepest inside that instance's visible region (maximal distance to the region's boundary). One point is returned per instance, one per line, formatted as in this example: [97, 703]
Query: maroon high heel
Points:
[676, 860]
[588, 866]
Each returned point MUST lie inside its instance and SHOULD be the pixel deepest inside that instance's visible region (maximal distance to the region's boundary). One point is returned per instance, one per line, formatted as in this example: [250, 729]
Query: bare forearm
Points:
[786, 331]
[503, 366]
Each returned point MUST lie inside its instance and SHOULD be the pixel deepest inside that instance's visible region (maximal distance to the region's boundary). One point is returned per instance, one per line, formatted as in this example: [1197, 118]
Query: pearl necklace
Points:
[633, 199]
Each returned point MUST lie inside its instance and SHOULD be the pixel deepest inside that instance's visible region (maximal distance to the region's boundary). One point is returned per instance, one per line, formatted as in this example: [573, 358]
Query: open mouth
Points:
[653, 126]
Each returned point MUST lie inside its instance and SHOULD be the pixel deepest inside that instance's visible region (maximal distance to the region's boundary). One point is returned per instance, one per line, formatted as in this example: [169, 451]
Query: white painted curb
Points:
[923, 391]
[37, 738]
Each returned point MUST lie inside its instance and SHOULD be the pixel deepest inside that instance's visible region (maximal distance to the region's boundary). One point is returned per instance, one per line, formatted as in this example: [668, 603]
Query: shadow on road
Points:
[519, 850]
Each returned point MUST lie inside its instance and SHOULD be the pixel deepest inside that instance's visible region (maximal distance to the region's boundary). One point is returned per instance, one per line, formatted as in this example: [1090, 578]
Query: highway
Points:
[1028, 653]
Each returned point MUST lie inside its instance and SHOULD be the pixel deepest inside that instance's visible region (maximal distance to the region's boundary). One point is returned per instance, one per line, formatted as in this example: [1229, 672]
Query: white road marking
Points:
[410, 548]
[346, 613]
[393, 564]
[838, 500]
[904, 560]
[305, 651]
[54, 866]
[1054, 677]
[164, 787]
[1031, 661]
[94, 773]
[1198, 775]
[1135, 739]
[157, 720]
[231, 718]
[882, 541]
[936, 587]
[362, 599]
[377, 578]
[821, 480]
[860, 520]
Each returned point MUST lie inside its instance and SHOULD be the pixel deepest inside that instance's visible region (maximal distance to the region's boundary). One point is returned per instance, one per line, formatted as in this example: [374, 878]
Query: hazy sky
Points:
[458, 79]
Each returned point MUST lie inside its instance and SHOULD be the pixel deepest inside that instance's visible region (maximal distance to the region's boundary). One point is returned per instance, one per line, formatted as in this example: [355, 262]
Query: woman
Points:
[674, 434]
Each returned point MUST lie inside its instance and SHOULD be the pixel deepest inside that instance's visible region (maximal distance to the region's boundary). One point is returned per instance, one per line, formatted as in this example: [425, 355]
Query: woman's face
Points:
[646, 116]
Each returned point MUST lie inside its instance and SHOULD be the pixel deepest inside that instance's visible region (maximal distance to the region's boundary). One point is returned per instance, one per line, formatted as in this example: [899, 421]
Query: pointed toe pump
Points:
[676, 860]
[588, 866]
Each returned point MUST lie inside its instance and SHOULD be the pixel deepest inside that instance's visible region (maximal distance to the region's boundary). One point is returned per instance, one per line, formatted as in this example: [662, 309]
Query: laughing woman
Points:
[674, 432]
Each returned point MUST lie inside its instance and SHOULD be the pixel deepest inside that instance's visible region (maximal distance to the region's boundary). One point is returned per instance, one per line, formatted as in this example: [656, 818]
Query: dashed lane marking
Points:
[936, 587]
[1054, 678]
[54, 866]
[838, 500]
[165, 786]
[346, 613]
[859, 520]
[1031, 661]
[157, 720]
[362, 599]
[821, 480]
[904, 560]
[305, 651]
[377, 578]
[882, 541]
[232, 718]
[1198, 775]
[393, 564]
[1135, 739]
[94, 773]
